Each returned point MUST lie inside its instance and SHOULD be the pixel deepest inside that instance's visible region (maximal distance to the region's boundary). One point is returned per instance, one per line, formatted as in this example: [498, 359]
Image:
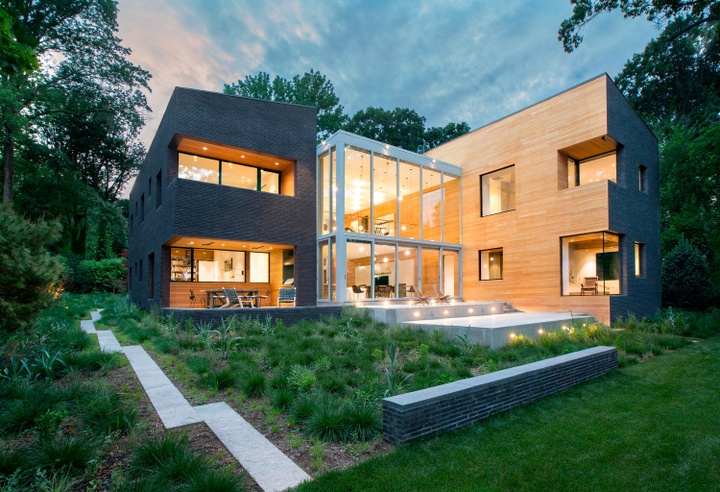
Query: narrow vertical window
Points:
[639, 259]
[642, 185]
[142, 208]
[158, 189]
[140, 270]
[150, 186]
[151, 276]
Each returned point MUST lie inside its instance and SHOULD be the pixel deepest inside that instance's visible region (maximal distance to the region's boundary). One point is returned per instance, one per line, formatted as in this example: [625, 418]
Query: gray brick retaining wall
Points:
[450, 406]
[288, 316]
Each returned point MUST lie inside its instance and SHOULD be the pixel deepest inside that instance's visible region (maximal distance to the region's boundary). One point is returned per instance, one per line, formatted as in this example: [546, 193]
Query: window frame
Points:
[482, 193]
[220, 162]
[480, 263]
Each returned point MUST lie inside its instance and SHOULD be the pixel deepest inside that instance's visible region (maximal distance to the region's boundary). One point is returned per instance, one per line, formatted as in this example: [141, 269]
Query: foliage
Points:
[17, 51]
[312, 89]
[29, 275]
[109, 274]
[401, 127]
[653, 426]
[686, 279]
[659, 11]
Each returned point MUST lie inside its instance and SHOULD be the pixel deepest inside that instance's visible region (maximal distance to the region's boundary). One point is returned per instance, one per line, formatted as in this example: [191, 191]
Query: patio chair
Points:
[192, 299]
[440, 296]
[287, 295]
[358, 293]
[264, 298]
[421, 298]
[233, 299]
[590, 285]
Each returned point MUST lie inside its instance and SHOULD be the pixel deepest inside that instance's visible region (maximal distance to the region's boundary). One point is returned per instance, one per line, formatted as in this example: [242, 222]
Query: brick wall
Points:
[289, 316]
[450, 406]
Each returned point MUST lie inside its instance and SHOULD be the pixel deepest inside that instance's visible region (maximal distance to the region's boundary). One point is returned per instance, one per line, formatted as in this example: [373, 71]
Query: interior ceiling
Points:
[590, 148]
[232, 154]
[225, 244]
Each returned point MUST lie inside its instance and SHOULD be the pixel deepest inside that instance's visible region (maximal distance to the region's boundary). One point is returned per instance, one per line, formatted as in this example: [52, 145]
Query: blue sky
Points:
[458, 60]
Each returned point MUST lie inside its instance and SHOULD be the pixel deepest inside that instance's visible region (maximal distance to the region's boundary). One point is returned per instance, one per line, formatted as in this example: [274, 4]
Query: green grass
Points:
[653, 426]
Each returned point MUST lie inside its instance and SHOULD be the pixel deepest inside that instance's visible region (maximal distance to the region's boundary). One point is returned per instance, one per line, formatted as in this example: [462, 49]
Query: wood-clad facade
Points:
[543, 143]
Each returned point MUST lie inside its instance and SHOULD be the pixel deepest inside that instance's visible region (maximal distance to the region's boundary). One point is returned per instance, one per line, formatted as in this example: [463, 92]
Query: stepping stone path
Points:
[269, 467]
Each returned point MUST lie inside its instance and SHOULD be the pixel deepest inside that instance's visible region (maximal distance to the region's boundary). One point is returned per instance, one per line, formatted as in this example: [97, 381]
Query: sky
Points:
[449, 60]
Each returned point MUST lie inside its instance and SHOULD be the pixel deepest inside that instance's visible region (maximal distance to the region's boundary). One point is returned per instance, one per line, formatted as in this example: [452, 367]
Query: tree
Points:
[694, 12]
[80, 53]
[312, 89]
[686, 278]
[401, 127]
[438, 135]
[29, 275]
[18, 55]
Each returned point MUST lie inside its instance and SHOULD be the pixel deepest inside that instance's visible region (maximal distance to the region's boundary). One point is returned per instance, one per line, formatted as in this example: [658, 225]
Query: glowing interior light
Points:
[541, 331]
[512, 335]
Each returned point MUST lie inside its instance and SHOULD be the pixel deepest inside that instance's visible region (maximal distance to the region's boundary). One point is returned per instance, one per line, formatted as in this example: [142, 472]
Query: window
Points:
[639, 260]
[498, 191]
[142, 208]
[140, 270]
[158, 189]
[151, 276]
[642, 185]
[260, 267]
[150, 187]
[491, 264]
[227, 173]
[132, 223]
[591, 170]
[217, 266]
[130, 274]
[591, 264]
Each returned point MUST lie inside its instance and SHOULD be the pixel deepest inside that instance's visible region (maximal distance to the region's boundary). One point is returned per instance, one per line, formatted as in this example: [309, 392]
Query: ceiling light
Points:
[204, 148]
[242, 157]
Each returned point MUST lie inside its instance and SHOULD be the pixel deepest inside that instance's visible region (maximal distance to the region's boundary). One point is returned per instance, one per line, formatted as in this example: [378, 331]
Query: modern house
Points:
[555, 207]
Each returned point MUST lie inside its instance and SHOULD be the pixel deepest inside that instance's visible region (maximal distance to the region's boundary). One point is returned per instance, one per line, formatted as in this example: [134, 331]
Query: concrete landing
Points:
[269, 467]
[393, 314]
[171, 406]
[496, 330]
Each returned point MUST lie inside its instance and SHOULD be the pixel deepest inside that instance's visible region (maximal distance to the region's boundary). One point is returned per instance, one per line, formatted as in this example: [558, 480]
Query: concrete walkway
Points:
[269, 467]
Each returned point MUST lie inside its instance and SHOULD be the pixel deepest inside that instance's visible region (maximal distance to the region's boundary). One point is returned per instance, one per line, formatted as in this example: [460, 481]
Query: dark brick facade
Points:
[196, 209]
[632, 212]
[451, 406]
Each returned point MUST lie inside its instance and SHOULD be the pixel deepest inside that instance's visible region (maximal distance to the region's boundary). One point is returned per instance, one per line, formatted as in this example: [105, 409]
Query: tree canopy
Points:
[312, 89]
[401, 127]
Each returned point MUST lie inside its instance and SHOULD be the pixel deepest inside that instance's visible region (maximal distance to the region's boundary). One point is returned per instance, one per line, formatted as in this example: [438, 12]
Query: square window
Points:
[491, 264]
[498, 191]
[593, 169]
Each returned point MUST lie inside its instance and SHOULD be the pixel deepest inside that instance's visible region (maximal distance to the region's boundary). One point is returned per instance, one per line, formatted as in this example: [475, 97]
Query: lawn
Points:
[652, 426]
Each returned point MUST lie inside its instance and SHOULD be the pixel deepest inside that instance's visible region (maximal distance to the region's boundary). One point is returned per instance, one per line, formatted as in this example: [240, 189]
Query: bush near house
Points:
[106, 275]
[686, 281]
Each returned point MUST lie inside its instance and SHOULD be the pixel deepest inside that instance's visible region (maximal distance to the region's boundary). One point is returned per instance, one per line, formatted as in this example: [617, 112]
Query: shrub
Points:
[362, 420]
[686, 279]
[253, 383]
[328, 421]
[109, 275]
[106, 413]
[63, 452]
[29, 275]
[219, 379]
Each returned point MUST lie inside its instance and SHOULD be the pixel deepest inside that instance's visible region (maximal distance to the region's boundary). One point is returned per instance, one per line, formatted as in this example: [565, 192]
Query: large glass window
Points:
[218, 266]
[358, 270]
[409, 196]
[498, 191]
[451, 273]
[198, 168]
[227, 173]
[357, 190]
[384, 195]
[430, 270]
[323, 270]
[181, 265]
[260, 267]
[591, 264]
[432, 205]
[324, 198]
[407, 270]
[451, 209]
[385, 270]
[491, 264]
[591, 170]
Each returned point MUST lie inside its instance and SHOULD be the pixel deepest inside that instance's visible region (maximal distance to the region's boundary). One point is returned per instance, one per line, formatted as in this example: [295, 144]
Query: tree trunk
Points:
[8, 173]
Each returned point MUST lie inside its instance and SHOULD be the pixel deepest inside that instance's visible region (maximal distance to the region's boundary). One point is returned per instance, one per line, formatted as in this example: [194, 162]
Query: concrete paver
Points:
[171, 406]
[108, 342]
[271, 469]
[87, 326]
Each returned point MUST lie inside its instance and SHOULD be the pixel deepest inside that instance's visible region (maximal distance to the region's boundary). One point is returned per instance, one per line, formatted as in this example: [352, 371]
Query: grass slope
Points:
[653, 426]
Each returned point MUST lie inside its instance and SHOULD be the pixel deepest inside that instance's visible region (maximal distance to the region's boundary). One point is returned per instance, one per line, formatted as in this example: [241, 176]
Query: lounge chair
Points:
[233, 299]
[590, 285]
[287, 295]
[421, 298]
[440, 296]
